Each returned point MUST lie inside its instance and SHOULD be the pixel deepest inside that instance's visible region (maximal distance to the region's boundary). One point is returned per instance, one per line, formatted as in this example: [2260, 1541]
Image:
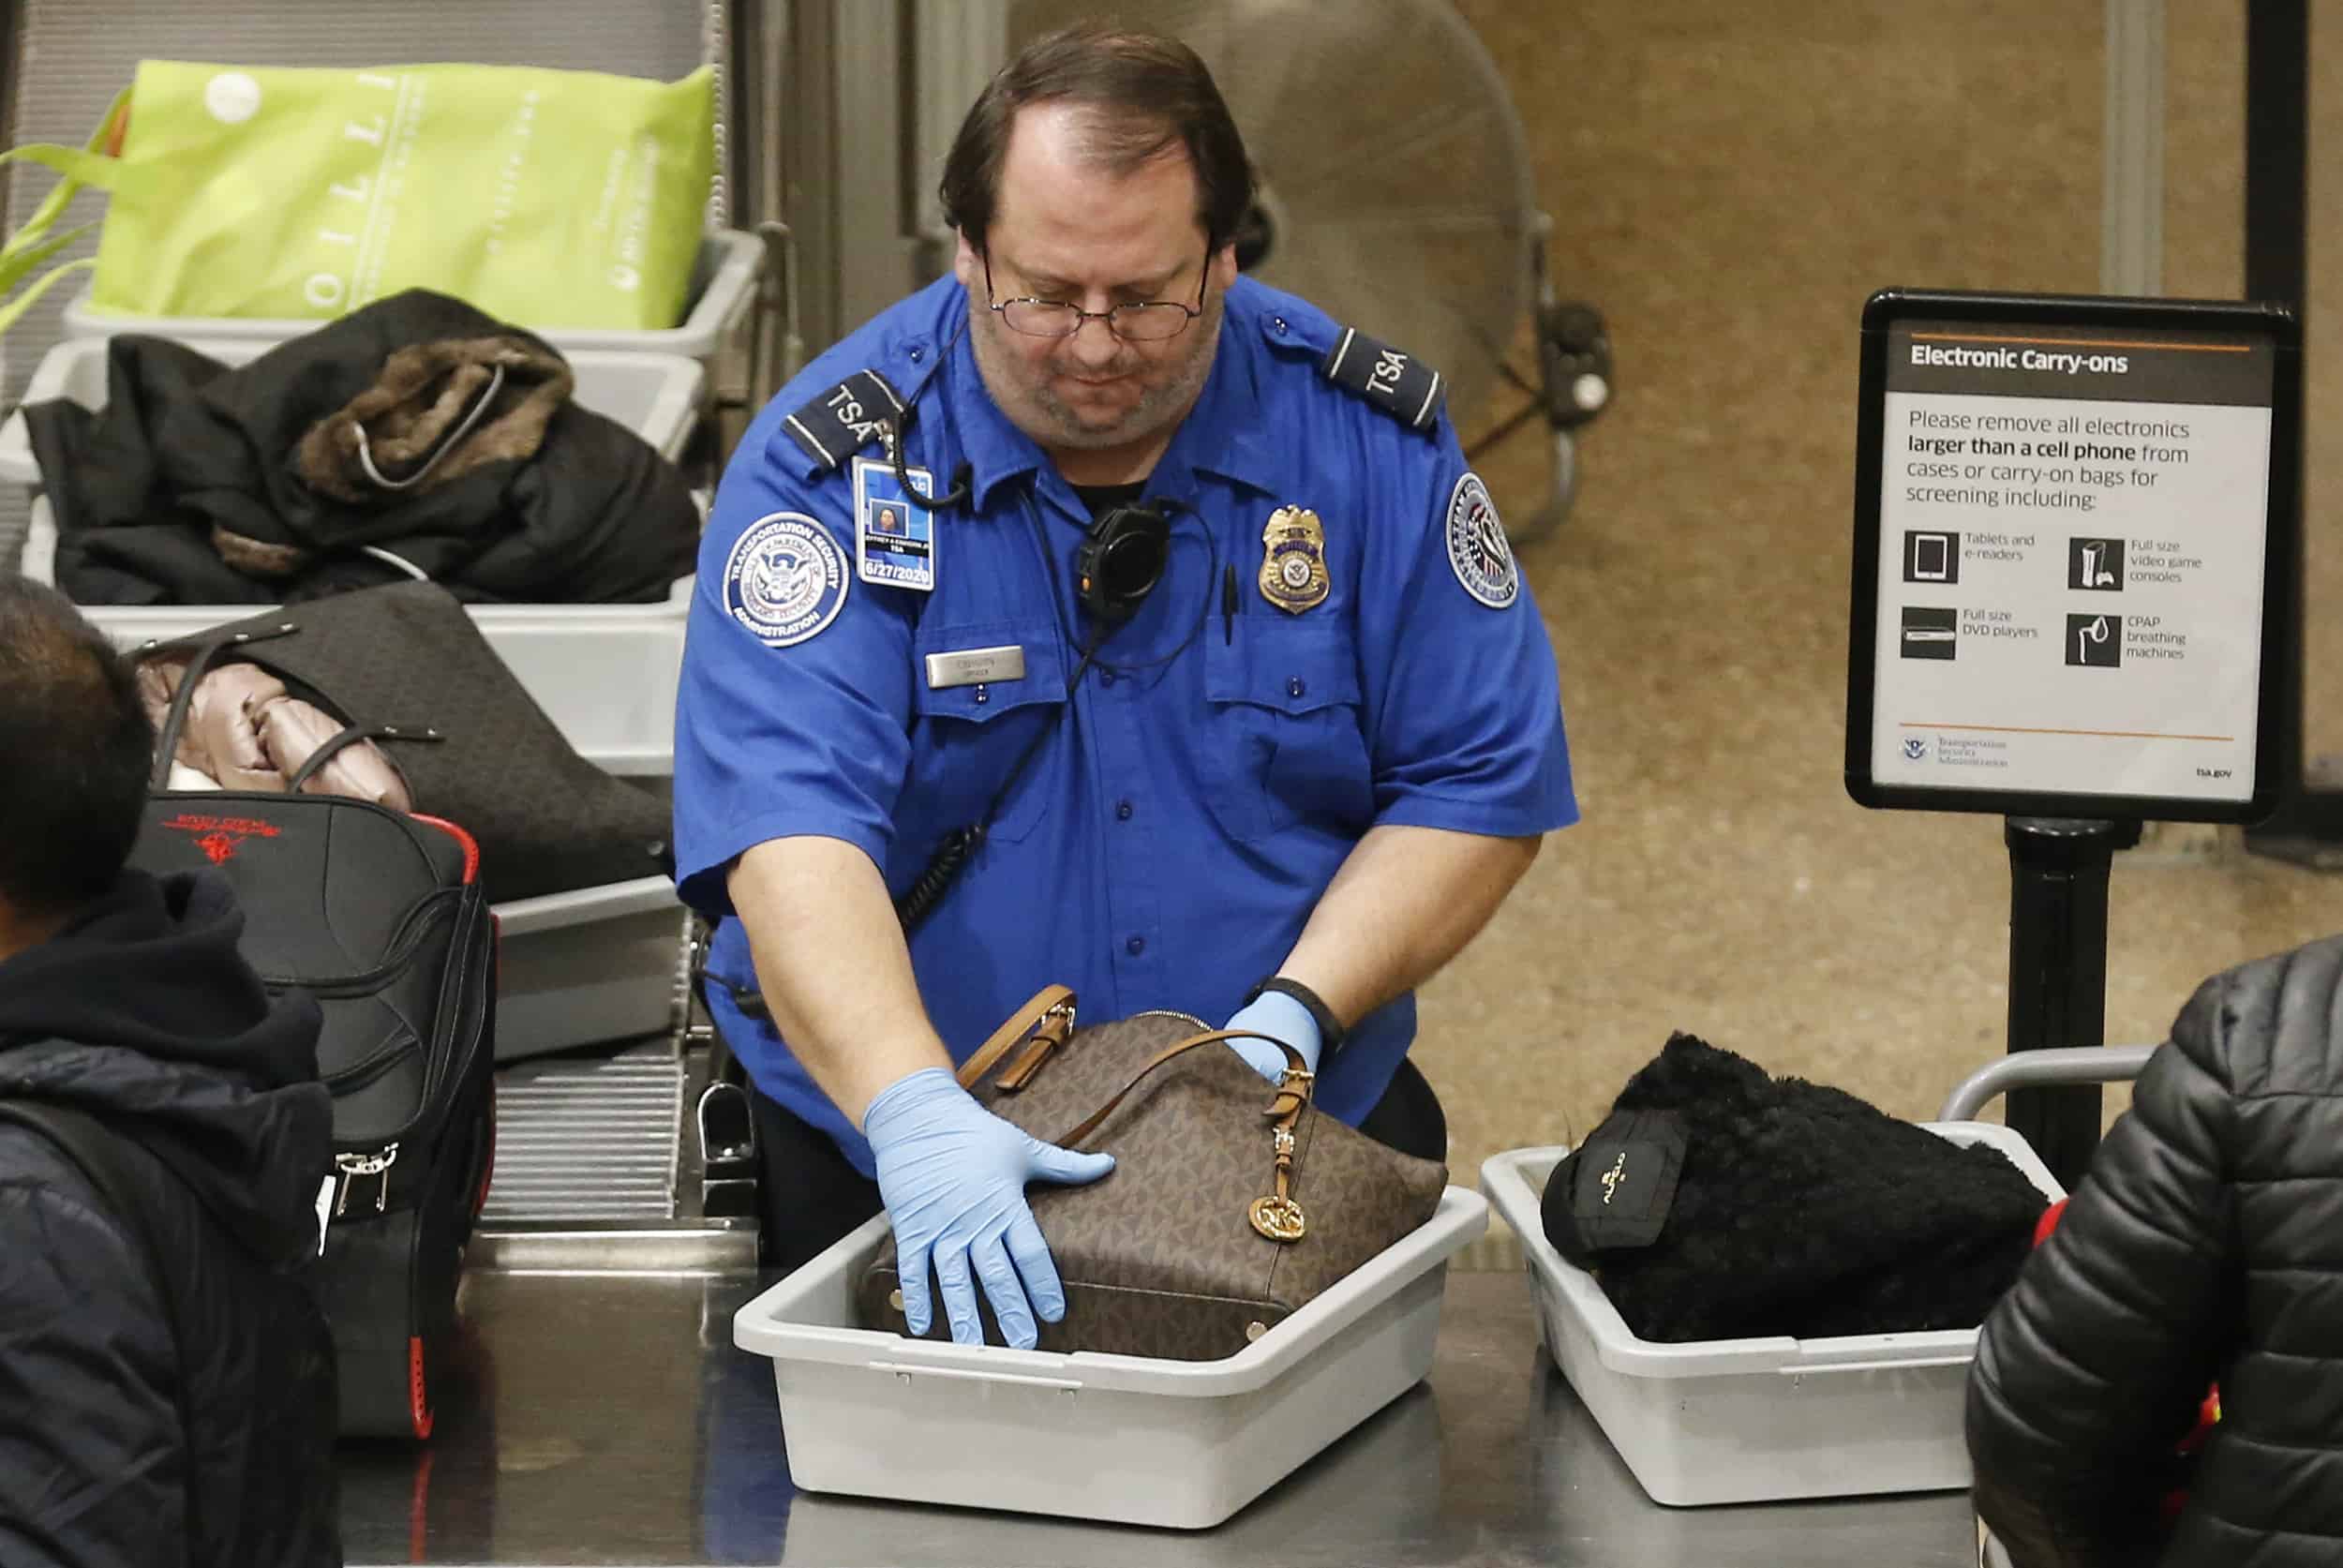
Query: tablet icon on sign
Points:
[1929, 633]
[1930, 556]
[2095, 641]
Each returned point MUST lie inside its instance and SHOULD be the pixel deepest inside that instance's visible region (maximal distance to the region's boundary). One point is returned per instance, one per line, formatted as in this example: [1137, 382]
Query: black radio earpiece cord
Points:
[944, 866]
[891, 432]
[962, 476]
[951, 856]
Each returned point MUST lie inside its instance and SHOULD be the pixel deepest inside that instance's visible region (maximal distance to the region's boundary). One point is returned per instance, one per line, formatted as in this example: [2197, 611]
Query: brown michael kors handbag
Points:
[1232, 1202]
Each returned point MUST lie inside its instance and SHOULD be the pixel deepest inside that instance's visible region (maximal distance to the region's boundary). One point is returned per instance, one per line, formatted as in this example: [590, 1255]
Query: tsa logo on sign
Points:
[785, 579]
[1915, 749]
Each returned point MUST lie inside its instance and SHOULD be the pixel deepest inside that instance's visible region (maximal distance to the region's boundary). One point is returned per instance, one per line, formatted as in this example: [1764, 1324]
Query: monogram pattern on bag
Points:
[1158, 1257]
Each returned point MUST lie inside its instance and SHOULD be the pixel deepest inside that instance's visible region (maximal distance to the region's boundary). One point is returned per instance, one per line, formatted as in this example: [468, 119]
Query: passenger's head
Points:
[1099, 168]
[76, 747]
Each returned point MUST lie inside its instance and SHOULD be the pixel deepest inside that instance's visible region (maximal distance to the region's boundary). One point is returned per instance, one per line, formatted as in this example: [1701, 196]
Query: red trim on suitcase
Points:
[418, 1389]
[472, 849]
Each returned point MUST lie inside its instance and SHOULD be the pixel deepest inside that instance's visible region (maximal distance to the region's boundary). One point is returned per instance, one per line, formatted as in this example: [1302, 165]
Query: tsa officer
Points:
[1203, 678]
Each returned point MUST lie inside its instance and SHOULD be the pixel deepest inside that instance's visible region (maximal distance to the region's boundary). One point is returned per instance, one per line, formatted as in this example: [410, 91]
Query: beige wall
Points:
[1728, 184]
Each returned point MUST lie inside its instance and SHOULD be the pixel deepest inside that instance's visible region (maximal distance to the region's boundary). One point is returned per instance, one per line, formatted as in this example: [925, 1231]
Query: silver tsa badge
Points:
[1294, 559]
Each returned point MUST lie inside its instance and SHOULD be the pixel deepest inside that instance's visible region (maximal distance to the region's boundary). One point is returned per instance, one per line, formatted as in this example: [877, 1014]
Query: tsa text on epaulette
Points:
[846, 419]
[1404, 388]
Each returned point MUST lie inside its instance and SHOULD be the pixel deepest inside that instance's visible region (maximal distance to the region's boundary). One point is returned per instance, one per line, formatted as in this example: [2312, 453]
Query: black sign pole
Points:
[2058, 874]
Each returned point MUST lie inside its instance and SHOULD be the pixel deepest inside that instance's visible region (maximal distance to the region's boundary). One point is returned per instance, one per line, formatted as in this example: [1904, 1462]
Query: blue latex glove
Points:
[953, 1176]
[1280, 1017]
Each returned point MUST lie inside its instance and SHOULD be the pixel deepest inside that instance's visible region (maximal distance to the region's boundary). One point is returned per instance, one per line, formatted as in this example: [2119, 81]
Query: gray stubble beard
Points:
[1157, 407]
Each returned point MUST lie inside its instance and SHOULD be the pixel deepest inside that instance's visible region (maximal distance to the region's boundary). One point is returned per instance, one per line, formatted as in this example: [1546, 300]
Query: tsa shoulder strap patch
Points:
[1403, 387]
[844, 419]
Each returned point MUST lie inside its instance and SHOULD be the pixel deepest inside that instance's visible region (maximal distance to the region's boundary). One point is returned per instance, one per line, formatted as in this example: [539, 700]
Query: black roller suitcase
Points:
[381, 916]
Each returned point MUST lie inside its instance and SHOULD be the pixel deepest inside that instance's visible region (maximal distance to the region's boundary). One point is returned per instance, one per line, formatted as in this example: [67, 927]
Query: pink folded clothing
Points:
[244, 730]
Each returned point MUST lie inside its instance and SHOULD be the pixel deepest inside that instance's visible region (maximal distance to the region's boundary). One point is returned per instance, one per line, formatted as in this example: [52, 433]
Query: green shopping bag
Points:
[545, 197]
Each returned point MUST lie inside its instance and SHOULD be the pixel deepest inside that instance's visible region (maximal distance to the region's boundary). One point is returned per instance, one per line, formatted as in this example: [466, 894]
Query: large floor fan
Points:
[1395, 193]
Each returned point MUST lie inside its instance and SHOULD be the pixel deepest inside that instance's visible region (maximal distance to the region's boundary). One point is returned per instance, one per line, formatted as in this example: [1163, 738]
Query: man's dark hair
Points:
[76, 750]
[1149, 93]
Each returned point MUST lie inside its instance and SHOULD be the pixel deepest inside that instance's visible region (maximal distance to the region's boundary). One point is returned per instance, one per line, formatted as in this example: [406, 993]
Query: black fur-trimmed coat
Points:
[201, 482]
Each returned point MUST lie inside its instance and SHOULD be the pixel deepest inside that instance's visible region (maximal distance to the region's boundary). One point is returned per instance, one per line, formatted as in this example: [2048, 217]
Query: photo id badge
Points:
[894, 536]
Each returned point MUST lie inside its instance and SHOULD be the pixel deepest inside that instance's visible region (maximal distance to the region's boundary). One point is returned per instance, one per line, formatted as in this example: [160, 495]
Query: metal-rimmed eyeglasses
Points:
[1138, 321]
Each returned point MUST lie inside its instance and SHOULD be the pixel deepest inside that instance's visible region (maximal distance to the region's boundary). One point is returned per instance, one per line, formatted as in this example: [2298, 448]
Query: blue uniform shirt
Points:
[1210, 772]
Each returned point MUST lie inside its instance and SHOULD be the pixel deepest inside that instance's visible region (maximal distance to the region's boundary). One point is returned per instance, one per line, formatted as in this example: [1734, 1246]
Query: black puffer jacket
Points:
[2205, 1244]
[143, 1014]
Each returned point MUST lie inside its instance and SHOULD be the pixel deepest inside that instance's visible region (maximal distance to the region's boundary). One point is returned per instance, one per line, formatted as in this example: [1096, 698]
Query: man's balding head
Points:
[1138, 97]
[76, 749]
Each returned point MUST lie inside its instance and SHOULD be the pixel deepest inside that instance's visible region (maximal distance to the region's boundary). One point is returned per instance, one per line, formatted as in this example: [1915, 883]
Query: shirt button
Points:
[1122, 811]
[983, 696]
[1106, 678]
[1136, 946]
[917, 355]
[1293, 686]
[1277, 324]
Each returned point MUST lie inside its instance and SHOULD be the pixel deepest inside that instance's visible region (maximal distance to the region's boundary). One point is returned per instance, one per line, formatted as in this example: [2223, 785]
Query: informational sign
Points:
[2075, 556]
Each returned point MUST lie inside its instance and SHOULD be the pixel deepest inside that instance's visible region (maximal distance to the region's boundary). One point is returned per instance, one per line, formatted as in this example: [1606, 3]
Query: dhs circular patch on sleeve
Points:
[785, 579]
[1477, 549]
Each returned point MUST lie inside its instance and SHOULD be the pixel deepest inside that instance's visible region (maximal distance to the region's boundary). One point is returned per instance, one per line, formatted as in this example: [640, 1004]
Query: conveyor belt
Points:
[589, 1139]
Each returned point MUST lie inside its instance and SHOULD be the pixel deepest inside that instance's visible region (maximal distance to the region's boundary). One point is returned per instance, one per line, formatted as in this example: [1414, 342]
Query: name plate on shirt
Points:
[969, 667]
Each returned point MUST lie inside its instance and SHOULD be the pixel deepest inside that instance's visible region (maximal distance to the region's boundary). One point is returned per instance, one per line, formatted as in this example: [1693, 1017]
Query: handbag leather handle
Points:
[1051, 1009]
[346, 737]
[1293, 1092]
[1050, 1014]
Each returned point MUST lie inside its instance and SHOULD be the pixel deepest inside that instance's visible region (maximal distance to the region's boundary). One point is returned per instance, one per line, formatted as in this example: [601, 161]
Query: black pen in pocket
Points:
[1228, 604]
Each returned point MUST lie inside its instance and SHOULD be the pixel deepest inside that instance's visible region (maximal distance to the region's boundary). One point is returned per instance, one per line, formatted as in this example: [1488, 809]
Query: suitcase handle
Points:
[2035, 1069]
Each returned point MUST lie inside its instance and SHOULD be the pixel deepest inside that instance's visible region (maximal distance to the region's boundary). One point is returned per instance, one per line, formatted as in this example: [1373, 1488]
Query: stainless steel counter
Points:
[608, 1419]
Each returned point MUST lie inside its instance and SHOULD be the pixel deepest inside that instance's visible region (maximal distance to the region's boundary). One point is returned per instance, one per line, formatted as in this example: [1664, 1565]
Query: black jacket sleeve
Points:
[92, 1457]
[2093, 1367]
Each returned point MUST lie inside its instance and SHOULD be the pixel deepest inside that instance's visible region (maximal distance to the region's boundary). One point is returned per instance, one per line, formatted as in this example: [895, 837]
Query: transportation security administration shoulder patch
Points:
[1477, 550]
[785, 579]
